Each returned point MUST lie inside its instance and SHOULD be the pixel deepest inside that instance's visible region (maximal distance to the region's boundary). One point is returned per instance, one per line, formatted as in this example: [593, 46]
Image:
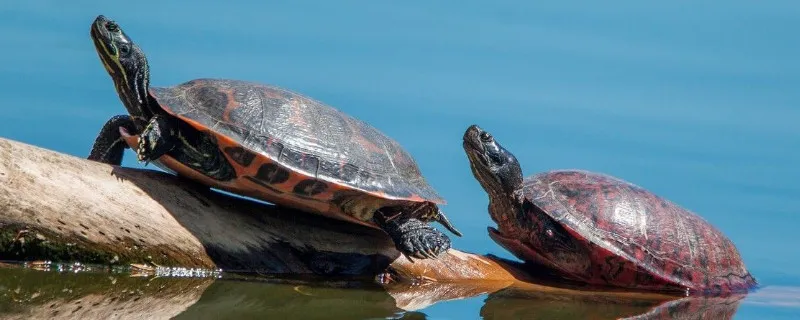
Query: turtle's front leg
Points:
[195, 149]
[109, 147]
[159, 137]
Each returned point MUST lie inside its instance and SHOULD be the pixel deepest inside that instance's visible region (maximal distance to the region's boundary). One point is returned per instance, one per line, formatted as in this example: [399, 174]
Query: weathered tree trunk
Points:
[59, 207]
[63, 208]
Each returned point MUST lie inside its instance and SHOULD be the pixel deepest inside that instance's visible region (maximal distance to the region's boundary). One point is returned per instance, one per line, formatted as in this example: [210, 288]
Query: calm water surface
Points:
[67, 293]
[696, 102]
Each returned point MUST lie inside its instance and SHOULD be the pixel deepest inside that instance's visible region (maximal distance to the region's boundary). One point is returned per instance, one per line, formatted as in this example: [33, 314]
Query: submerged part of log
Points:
[59, 207]
[32, 294]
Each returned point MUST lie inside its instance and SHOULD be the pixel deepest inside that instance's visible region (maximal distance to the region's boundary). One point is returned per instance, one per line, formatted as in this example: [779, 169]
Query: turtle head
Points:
[524, 229]
[495, 168]
[125, 63]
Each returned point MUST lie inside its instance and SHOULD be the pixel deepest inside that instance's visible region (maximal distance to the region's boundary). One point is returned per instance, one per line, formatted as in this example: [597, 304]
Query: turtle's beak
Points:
[471, 140]
[473, 147]
[104, 45]
[100, 21]
[98, 29]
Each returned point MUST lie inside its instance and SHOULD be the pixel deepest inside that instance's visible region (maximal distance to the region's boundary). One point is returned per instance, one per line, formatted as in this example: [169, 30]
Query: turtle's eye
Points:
[124, 49]
[112, 27]
[495, 155]
[485, 137]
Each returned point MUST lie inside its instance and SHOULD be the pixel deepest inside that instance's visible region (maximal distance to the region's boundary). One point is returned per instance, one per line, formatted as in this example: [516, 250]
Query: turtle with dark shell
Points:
[267, 143]
[600, 230]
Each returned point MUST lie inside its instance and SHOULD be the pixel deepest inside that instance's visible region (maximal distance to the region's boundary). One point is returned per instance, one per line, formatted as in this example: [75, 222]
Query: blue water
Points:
[697, 102]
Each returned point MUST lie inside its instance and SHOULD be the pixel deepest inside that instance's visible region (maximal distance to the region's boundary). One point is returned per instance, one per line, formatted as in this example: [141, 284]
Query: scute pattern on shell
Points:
[635, 225]
[300, 133]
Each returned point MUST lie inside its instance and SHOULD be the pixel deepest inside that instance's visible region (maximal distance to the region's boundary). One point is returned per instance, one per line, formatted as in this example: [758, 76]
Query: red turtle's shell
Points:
[636, 238]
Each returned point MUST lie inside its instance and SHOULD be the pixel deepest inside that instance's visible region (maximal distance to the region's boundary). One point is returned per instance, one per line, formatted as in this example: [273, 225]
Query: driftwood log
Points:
[59, 207]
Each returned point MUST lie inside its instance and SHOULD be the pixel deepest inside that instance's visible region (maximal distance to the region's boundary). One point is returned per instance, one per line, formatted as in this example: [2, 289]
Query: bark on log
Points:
[60, 207]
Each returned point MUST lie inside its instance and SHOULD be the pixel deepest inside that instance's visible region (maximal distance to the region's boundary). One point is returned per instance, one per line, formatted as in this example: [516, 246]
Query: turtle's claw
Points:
[430, 253]
[141, 151]
[442, 219]
[423, 243]
[156, 139]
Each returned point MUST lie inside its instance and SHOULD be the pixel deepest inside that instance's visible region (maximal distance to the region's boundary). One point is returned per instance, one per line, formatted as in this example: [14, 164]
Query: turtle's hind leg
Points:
[412, 237]
[109, 146]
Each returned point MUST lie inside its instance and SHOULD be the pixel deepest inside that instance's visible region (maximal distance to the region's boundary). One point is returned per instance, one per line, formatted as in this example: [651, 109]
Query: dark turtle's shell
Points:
[636, 238]
[293, 149]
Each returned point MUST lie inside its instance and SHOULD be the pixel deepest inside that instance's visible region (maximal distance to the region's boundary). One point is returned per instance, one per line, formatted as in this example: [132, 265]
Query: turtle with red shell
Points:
[268, 143]
[601, 230]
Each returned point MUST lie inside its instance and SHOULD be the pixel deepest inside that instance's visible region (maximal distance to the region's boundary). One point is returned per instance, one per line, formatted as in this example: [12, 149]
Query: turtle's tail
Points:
[442, 219]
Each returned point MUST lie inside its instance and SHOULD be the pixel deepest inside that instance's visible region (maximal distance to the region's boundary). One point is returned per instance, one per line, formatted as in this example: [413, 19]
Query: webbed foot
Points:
[158, 138]
[414, 238]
